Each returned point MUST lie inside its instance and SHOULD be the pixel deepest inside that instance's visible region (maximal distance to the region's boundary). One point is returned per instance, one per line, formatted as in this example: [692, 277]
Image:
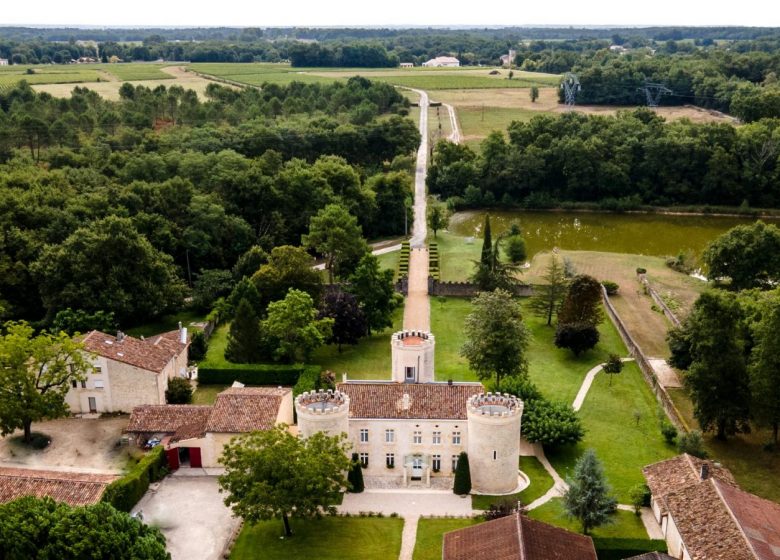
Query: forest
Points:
[619, 163]
[147, 194]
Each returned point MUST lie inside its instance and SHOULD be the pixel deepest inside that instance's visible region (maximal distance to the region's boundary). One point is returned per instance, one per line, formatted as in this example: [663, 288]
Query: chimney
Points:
[344, 377]
[406, 402]
[120, 336]
[705, 471]
[183, 335]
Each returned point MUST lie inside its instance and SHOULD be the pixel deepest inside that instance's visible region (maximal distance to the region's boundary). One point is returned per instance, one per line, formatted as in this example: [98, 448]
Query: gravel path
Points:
[420, 225]
[417, 310]
[409, 537]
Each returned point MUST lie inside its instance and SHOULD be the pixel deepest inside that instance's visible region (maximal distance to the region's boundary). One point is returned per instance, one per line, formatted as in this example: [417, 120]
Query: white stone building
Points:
[413, 428]
[3, 62]
[127, 371]
[442, 61]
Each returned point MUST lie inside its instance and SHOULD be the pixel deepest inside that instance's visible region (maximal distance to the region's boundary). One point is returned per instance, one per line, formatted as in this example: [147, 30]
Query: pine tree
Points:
[245, 338]
[547, 297]
[462, 484]
[355, 476]
[589, 496]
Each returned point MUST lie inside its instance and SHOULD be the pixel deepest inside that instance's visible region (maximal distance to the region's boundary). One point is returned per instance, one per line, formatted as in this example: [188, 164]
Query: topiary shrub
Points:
[355, 476]
[462, 485]
[551, 423]
[611, 287]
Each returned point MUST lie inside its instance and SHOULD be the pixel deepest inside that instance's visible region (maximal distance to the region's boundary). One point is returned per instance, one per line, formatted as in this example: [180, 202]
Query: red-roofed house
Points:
[127, 371]
[195, 435]
[75, 489]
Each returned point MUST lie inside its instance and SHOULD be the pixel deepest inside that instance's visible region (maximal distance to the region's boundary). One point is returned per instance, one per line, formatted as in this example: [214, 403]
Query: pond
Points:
[642, 234]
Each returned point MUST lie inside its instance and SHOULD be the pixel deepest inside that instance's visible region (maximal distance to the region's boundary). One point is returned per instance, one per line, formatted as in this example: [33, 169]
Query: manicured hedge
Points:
[308, 380]
[125, 492]
[251, 374]
[617, 549]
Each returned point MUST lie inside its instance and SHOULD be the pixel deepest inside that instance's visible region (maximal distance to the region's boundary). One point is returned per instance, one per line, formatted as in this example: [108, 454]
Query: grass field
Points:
[11, 75]
[215, 356]
[329, 538]
[135, 72]
[430, 532]
[541, 482]
[207, 394]
[168, 323]
[625, 524]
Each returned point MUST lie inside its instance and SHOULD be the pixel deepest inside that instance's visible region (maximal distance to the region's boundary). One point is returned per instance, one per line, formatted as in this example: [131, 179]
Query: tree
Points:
[692, 443]
[35, 375]
[335, 233]
[108, 266]
[747, 254]
[490, 273]
[588, 498]
[462, 484]
[764, 371]
[245, 339]
[374, 290]
[551, 423]
[437, 217]
[245, 289]
[547, 298]
[293, 324]
[211, 285]
[349, 322]
[496, 338]
[515, 249]
[613, 366]
[40, 528]
[534, 93]
[717, 379]
[199, 345]
[355, 477]
[273, 474]
[79, 321]
[249, 263]
[582, 303]
[577, 337]
[179, 391]
[287, 267]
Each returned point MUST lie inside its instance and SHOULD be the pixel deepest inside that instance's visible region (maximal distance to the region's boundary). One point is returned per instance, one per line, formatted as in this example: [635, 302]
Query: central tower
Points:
[412, 353]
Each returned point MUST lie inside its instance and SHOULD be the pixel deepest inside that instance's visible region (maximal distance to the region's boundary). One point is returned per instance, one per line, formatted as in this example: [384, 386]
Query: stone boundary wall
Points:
[659, 301]
[466, 289]
[644, 365]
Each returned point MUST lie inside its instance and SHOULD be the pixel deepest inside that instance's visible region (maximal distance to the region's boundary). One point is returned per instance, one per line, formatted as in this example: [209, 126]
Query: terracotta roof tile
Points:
[426, 400]
[652, 556]
[681, 472]
[152, 354]
[75, 489]
[183, 421]
[516, 537]
[246, 409]
[759, 520]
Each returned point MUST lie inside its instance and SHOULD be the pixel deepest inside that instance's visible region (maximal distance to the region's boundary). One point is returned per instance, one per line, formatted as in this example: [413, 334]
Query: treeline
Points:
[621, 162]
[112, 206]
[357, 55]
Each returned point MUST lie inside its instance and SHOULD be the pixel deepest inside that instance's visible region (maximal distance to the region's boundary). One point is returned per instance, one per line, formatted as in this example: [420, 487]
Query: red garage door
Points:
[173, 458]
[195, 457]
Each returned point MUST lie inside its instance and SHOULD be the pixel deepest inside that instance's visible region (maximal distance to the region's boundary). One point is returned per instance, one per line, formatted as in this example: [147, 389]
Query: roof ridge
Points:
[725, 502]
[519, 523]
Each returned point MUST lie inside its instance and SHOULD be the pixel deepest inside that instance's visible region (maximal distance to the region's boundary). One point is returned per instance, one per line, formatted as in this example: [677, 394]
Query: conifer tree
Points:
[589, 496]
[355, 476]
[245, 338]
[462, 485]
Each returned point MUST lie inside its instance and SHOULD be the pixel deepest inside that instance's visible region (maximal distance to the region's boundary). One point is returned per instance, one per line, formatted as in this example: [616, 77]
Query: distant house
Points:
[128, 371]
[75, 489]
[516, 537]
[442, 61]
[194, 436]
[407, 65]
[705, 515]
[620, 49]
[3, 62]
[509, 59]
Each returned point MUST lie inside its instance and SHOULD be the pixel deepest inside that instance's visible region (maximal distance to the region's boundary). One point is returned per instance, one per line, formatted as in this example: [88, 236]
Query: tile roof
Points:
[759, 520]
[426, 400]
[183, 421]
[152, 354]
[246, 409]
[516, 537]
[681, 472]
[652, 556]
[75, 489]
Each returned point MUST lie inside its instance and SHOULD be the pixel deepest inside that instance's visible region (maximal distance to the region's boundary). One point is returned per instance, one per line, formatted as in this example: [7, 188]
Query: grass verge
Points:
[430, 533]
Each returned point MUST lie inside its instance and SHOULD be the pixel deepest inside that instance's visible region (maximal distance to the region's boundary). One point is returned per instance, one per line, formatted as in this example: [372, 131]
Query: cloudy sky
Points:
[265, 13]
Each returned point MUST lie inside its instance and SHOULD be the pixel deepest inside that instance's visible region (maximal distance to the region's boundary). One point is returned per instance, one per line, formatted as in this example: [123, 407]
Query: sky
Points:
[324, 13]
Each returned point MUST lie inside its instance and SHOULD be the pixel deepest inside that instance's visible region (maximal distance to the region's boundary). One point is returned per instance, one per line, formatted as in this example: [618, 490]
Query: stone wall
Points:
[466, 289]
[659, 301]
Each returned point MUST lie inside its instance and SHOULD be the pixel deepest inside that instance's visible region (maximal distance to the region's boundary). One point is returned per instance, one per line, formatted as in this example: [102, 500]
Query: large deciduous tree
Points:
[749, 255]
[35, 374]
[107, 265]
[273, 474]
[547, 297]
[764, 371]
[335, 233]
[287, 267]
[589, 498]
[373, 287]
[496, 338]
[349, 321]
[582, 303]
[293, 324]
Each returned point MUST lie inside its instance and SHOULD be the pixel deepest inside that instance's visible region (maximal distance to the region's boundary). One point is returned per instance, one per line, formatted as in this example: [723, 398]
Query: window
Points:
[97, 370]
[389, 436]
[84, 384]
[454, 463]
[436, 438]
[409, 373]
[363, 435]
[456, 438]
[495, 455]
[436, 463]
[390, 460]
[364, 460]
[98, 383]
[417, 438]
[73, 383]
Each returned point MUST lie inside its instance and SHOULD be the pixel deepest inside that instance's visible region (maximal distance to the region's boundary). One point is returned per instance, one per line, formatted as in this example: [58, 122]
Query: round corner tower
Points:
[412, 353]
[494, 442]
[322, 411]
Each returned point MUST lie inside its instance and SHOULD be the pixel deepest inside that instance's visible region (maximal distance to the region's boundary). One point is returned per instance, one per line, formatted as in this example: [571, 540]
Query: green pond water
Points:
[642, 234]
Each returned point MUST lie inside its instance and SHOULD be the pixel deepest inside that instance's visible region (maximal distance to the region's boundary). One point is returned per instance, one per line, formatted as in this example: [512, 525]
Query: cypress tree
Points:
[245, 338]
[355, 476]
[589, 496]
[486, 259]
[462, 484]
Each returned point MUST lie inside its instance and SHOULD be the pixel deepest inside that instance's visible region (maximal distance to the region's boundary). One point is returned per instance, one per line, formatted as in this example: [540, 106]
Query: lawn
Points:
[207, 394]
[169, 323]
[430, 532]
[456, 255]
[625, 524]
[329, 538]
[621, 425]
[541, 482]
[369, 359]
[47, 74]
[215, 356]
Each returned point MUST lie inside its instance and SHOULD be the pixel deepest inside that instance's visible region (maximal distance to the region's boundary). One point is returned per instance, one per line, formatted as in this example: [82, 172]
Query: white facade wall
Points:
[417, 356]
[674, 541]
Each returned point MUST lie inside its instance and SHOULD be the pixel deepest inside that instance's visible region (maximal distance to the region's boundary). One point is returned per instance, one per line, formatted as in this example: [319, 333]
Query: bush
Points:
[125, 492]
[617, 549]
[640, 497]
[611, 287]
[255, 374]
[312, 378]
[577, 337]
[502, 508]
[692, 443]
[462, 485]
[551, 423]
[515, 249]
[641, 270]
[669, 431]
[355, 476]
[199, 345]
[179, 391]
